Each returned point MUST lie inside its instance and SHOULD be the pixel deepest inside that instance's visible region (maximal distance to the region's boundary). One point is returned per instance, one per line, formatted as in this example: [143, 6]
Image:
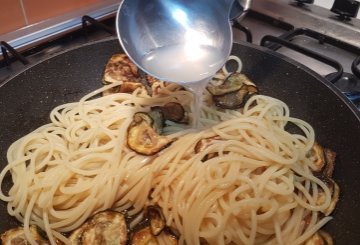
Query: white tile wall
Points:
[328, 4]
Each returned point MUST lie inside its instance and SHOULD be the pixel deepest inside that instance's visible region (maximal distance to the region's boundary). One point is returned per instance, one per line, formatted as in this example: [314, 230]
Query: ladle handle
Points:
[245, 4]
[237, 8]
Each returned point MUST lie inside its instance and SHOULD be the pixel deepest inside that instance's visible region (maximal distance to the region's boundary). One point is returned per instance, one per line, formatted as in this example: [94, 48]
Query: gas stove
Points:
[334, 34]
[327, 41]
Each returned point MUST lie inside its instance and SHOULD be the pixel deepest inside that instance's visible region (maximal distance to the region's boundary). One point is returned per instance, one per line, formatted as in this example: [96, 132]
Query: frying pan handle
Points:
[354, 67]
[331, 62]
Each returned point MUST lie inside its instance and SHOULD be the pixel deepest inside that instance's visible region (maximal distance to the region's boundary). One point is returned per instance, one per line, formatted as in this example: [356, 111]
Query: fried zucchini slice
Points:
[120, 68]
[330, 157]
[143, 138]
[171, 235]
[317, 152]
[324, 160]
[173, 111]
[143, 116]
[237, 99]
[334, 199]
[232, 83]
[151, 80]
[202, 144]
[16, 236]
[129, 86]
[156, 219]
[335, 193]
[233, 92]
[154, 118]
[158, 120]
[143, 236]
[76, 235]
[320, 238]
[107, 227]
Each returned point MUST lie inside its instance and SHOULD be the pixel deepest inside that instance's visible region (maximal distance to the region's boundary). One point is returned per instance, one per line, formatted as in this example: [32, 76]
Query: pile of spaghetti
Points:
[252, 182]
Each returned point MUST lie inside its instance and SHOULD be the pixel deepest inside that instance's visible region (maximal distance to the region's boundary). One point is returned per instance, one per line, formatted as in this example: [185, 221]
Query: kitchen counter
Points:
[50, 28]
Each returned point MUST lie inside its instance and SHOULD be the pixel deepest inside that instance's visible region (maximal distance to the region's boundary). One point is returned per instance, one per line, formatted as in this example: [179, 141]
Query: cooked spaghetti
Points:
[251, 182]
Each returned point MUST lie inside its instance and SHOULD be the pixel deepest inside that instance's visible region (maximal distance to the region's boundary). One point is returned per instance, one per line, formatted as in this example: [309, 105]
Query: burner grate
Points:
[5, 48]
[315, 55]
[322, 38]
[346, 82]
[91, 30]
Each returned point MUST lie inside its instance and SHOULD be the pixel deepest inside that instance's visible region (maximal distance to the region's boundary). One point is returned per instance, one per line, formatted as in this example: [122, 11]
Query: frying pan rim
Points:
[317, 76]
[253, 46]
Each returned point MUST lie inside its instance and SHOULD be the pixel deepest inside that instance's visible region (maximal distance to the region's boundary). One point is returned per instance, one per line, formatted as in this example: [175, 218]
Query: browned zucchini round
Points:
[17, 236]
[108, 227]
[143, 138]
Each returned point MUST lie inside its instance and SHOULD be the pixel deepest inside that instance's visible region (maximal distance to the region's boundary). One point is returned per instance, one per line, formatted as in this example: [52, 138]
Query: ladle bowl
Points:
[185, 32]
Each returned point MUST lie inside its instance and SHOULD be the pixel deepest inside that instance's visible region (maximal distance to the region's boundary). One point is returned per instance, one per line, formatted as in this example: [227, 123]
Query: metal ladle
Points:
[195, 26]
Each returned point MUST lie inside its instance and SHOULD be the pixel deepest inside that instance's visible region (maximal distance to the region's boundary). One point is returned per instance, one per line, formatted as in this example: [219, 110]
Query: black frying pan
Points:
[27, 98]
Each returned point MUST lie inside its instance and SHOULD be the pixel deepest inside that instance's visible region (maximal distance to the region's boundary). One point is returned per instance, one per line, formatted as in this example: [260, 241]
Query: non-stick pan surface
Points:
[27, 98]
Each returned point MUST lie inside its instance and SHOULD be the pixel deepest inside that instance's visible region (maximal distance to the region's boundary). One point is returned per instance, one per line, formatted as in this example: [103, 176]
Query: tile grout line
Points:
[24, 12]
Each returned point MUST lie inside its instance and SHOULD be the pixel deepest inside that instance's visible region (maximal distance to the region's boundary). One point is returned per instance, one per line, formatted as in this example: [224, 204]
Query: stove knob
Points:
[346, 9]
